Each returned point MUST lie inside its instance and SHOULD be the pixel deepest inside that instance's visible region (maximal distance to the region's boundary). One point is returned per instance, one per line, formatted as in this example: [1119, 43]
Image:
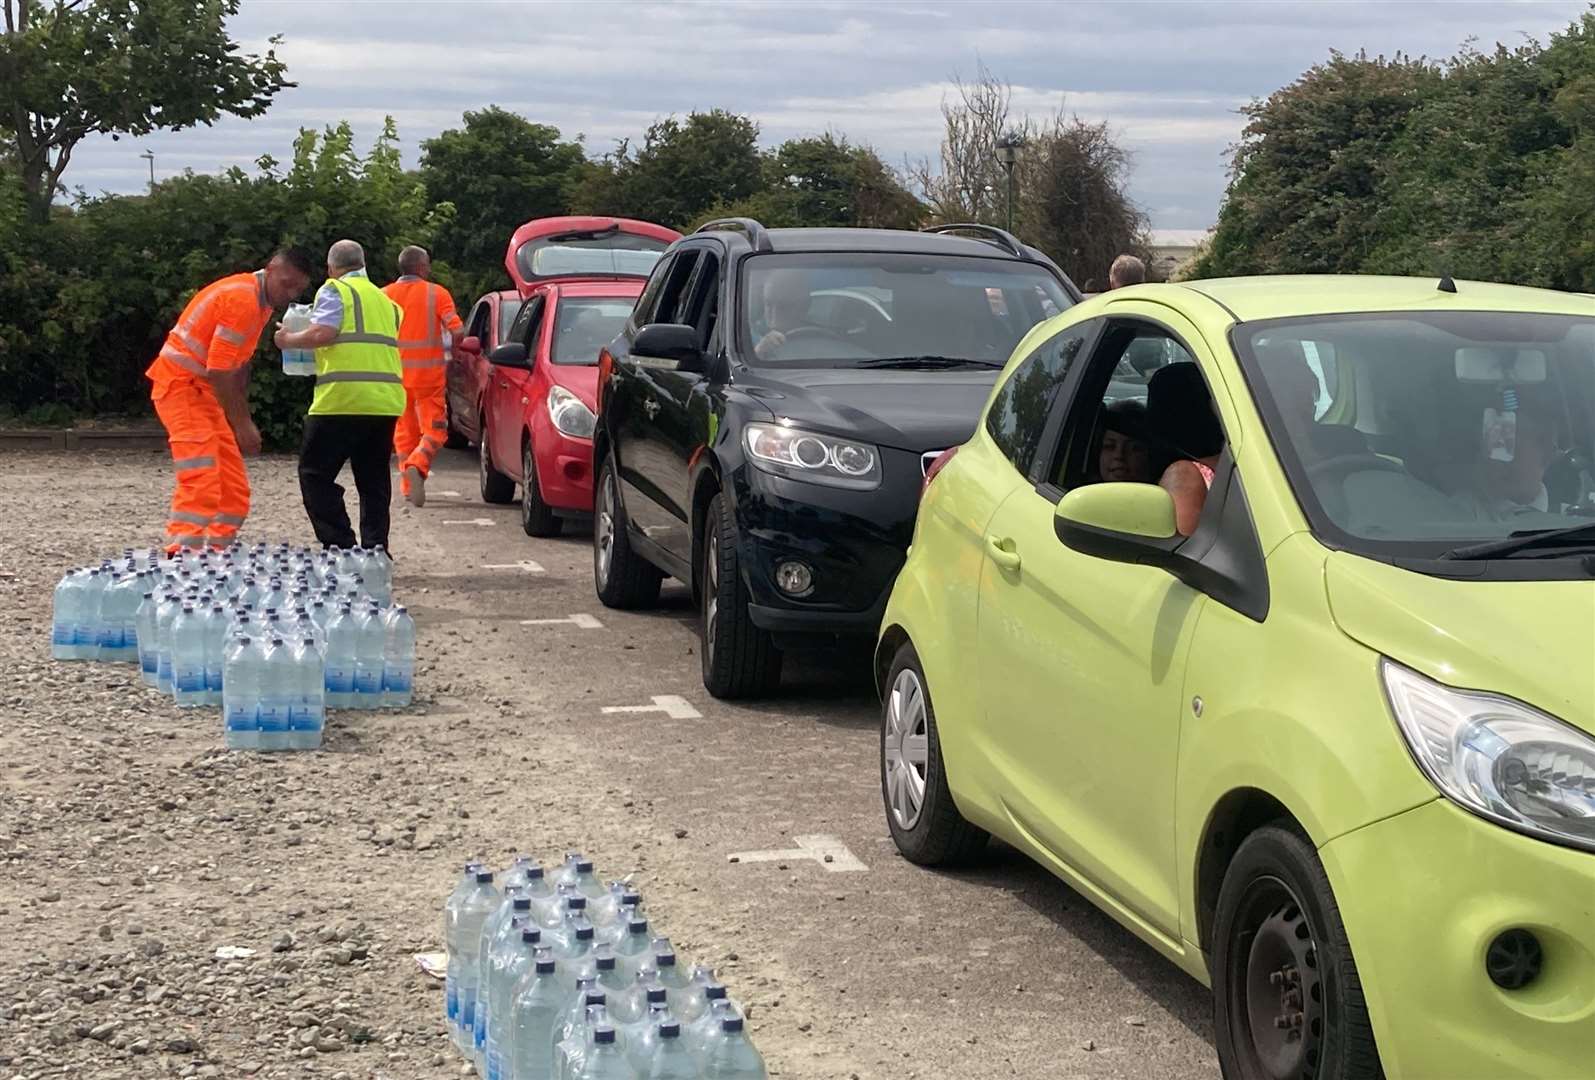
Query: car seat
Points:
[1179, 416]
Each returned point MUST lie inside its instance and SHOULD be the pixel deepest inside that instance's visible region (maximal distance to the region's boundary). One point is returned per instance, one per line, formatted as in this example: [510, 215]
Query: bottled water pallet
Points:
[561, 977]
[273, 635]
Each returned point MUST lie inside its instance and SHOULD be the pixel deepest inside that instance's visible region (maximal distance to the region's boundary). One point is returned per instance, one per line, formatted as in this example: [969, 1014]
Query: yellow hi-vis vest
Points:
[360, 373]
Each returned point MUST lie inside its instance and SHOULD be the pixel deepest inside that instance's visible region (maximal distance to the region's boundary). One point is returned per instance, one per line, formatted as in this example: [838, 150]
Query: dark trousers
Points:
[365, 443]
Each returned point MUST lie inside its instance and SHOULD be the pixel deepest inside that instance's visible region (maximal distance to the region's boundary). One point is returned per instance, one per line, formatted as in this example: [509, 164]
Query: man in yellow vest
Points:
[354, 330]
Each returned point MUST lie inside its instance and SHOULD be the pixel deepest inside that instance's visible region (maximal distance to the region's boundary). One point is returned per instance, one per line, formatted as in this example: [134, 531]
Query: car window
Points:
[584, 325]
[1125, 436]
[507, 310]
[674, 297]
[604, 252]
[1413, 433]
[648, 302]
[701, 308]
[853, 308]
[479, 322]
[524, 328]
[1018, 413]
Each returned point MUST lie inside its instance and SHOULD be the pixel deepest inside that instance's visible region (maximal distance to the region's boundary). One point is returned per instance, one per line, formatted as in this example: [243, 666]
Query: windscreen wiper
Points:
[928, 362]
[1526, 540]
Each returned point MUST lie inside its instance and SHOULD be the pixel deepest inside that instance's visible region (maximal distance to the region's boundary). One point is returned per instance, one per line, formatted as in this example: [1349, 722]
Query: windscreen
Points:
[846, 309]
[1413, 432]
[585, 325]
[605, 253]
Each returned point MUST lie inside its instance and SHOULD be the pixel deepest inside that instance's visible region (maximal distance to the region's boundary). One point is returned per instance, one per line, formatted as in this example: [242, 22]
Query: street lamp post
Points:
[1007, 150]
[149, 155]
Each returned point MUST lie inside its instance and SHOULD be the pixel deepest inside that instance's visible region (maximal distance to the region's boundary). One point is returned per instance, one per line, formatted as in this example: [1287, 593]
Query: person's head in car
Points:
[786, 300]
[1125, 457]
[1518, 482]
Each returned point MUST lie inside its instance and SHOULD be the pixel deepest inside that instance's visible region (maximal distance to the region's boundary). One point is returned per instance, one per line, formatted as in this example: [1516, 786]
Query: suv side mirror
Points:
[512, 355]
[1123, 522]
[671, 341]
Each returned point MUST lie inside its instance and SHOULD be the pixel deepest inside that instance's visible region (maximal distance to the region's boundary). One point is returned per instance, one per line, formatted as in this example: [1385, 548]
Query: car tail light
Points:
[937, 464]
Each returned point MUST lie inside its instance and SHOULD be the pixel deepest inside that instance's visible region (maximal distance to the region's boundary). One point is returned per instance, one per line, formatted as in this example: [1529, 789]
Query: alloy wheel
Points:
[604, 529]
[528, 485]
[907, 749]
[711, 595]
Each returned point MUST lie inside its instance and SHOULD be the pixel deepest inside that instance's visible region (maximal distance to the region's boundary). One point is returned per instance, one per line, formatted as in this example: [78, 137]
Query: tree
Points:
[681, 170]
[1072, 202]
[825, 181]
[967, 183]
[498, 172]
[71, 69]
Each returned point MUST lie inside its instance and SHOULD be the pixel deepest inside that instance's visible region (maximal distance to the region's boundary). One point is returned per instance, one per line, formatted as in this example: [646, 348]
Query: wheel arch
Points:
[1239, 813]
[704, 488]
[893, 637]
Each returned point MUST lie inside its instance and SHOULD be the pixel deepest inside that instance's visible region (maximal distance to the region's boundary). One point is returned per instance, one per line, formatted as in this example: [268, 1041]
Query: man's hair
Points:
[1126, 270]
[412, 259]
[346, 255]
[299, 258]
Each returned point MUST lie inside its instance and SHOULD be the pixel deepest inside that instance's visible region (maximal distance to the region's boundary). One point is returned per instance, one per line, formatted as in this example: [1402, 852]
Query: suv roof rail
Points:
[747, 226]
[1001, 237]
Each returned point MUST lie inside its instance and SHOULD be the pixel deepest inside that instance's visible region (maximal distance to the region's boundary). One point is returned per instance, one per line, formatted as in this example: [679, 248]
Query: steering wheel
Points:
[1345, 464]
[813, 331]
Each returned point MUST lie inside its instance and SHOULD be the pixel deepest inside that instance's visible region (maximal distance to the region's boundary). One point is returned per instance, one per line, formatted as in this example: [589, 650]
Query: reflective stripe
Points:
[184, 540]
[357, 338]
[200, 351]
[358, 376]
[440, 425]
[432, 333]
[192, 519]
[186, 362]
[232, 337]
[420, 365]
[359, 313]
[412, 344]
[181, 464]
[227, 519]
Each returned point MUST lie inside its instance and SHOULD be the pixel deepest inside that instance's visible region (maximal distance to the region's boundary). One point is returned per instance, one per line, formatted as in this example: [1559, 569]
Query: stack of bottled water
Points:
[560, 977]
[274, 635]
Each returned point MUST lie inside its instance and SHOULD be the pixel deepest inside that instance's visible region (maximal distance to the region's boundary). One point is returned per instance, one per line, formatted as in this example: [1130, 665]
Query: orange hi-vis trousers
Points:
[212, 496]
[422, 429]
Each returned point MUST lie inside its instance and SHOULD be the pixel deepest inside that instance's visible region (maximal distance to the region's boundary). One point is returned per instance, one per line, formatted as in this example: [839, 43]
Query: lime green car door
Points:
[1083, 664]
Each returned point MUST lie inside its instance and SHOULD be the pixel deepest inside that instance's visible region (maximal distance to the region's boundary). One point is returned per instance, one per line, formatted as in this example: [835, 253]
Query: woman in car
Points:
[1124, 456]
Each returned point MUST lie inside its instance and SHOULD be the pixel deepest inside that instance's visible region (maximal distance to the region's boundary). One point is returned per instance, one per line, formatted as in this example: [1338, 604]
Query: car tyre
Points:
[497, 488]
[740, 660]
[1287, 999]
[537, 517]
[622, 578]
[924, 821]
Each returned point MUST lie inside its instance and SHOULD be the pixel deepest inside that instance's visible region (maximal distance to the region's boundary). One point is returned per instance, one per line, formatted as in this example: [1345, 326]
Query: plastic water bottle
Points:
[539, 1004]
[587, 1013]
[86, 630]
[451, 918]
[398, 671]
[215, 647]
[732, 1055]
[118, 636]
[599, 966]
[478, 905]
[379, 574]
[582, 876]
[64, 620]
[342, 633]
[308, 719]
[242, 682]
[514, 960]
[297, 362]
[166, 615]
[188, 658]
[369, 661]
[691, 1000]
[509, 917]
[668, 1057]
[149, 652]
[277, 695]
[605, 1060]
[698, 1033]
[632, 951]
[642, 1037]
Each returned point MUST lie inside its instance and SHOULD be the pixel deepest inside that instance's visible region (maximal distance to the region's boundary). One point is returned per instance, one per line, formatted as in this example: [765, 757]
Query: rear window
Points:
[584, 326]
[604, 253]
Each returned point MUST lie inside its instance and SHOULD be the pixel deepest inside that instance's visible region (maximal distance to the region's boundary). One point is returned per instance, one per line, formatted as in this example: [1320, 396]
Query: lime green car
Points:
[1262, 613]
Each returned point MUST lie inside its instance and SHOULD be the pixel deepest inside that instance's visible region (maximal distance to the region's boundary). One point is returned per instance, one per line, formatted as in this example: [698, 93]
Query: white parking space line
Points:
[446, 494]
[677, 708]
[527, 566]
[828, 851]
[580, 620]
[481, 522]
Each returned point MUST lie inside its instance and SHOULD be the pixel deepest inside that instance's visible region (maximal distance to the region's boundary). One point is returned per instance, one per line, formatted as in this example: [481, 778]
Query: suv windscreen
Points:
[1416, 433]
[585, 325]
[846, 309]
[604, 253]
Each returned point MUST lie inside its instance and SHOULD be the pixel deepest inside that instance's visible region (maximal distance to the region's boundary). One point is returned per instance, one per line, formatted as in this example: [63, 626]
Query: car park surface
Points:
[1335, 745]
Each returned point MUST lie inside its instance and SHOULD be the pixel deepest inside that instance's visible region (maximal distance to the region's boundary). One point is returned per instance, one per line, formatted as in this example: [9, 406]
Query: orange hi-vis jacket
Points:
[218, 330]
[428, 311]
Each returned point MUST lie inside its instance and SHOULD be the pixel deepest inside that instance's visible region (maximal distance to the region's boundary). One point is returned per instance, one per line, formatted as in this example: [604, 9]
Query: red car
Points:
[469, 369]
[578, 279]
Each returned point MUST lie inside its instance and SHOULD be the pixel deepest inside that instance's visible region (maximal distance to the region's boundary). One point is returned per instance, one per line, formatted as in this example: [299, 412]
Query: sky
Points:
[1168, 77]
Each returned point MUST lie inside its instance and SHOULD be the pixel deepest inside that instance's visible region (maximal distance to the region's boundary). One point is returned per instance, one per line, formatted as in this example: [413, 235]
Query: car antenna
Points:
[1446, 284]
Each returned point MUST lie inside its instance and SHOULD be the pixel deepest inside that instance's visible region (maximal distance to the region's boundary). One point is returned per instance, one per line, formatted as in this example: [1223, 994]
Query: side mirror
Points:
[671, 341]
[512, 355]
[471, 344]
[1131, 523]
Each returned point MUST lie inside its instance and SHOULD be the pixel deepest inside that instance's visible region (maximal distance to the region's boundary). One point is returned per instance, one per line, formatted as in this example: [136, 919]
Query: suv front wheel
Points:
[739, 659]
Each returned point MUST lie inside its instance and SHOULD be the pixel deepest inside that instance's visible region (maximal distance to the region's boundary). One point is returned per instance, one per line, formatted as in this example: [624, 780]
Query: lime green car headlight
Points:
[1497, 757]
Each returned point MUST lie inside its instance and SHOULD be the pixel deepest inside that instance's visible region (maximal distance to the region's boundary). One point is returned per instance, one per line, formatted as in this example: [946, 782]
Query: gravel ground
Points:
[134, 847]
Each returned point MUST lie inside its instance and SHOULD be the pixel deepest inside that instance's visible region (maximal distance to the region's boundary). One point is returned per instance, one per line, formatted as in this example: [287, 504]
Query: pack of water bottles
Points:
[562, 977]
[274, 635]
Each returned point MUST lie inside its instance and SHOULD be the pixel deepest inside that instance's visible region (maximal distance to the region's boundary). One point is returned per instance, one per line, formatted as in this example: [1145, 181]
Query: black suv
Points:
[766, 418]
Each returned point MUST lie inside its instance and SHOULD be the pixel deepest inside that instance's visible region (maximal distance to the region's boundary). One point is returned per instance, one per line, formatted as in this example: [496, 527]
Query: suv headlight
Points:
[569, 414]
[804, 455]
[1497, 757]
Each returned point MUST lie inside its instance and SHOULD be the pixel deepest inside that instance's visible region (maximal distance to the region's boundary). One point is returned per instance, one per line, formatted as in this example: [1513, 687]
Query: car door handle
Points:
[1002, 555]
[651, 407]
[502, 385]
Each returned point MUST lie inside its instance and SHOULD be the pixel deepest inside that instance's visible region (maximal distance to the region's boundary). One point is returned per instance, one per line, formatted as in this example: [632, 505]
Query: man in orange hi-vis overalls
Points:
[201, 395]
[428, 312]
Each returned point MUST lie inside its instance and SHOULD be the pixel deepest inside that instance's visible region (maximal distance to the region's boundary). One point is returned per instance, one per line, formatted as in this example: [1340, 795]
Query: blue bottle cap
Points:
[637, 927]
[585, 866]
[665, 959]
[630, 897]
[731, 1024]
[545, 966]
[669, 1029]
[521, 903]
[534, 873]
[606, 961]
[715, 992]
[531, 937]
[657, 995]
[597, 997]
[484, 877]
[604, 1035]
[576, 903]
[584, 933]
